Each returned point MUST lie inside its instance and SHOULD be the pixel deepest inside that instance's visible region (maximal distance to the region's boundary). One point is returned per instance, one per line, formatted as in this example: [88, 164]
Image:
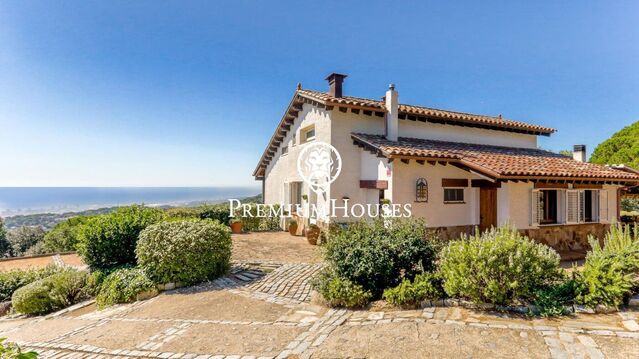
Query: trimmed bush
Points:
[122, 286]
[500, 266]
[407, 293]
[610, 272]
[340, 292]
[219, 212]
[378, 256]
[186, 251]
[260, 224]
[52, 293]
[109, 241]
[12, 280]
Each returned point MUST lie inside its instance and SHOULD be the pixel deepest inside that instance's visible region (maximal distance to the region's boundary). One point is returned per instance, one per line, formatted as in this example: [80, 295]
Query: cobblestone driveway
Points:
[262, 310]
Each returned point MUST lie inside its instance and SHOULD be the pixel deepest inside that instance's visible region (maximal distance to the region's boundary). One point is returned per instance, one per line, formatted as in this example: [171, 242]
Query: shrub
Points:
[13, 351]
[377, 256]
[182, 212]
[14, 279]
[610, 272]
[185, 251]
[64, 236]
[122, 286]
[5, 246]
[552, 300]
[219, 212]
[52, 293]
[500, 266]
[259, 224]
[109, 241]
[407, 293]
[340, 292]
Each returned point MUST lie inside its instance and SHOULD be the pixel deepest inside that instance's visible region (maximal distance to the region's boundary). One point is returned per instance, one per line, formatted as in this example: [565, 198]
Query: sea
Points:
[32, 200]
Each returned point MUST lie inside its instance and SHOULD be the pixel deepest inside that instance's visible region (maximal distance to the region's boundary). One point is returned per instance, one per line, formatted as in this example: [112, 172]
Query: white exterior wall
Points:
[513, 204]
[284, 168]
[436, 131]
[435, 211]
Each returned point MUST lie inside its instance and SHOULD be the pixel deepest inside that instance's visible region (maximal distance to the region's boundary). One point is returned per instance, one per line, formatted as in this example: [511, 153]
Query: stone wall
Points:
[572, 237]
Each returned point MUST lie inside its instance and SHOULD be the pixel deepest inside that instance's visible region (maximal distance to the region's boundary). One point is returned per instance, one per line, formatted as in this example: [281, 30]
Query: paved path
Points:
[263, 310]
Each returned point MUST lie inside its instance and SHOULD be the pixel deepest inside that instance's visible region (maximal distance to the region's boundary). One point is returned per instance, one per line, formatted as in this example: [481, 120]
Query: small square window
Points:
[307, 134]
[453, 195]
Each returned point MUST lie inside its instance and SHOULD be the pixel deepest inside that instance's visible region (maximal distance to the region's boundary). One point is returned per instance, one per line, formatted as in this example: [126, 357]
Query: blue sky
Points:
[184, 93]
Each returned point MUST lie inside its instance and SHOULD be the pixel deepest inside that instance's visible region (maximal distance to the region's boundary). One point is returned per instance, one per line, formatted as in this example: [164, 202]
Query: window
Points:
[421, 190]
[548, 206]
[284, 150]
[453, 195]
[307, 134]
[571, 206]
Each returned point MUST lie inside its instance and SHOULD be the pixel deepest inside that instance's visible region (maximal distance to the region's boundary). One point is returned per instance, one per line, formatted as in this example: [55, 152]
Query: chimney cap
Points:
[334, 76]
[391, 86]
[579, 148]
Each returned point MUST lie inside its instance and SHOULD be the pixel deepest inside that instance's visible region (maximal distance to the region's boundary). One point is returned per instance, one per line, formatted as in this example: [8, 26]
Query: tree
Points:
[4, 243]
[566, 153]
[620, 148]
[23, 238]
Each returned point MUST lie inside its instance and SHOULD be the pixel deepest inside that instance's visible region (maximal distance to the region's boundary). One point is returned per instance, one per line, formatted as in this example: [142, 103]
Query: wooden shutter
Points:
[536, 209]
[572, 206]
[603, 206]
[582, 207]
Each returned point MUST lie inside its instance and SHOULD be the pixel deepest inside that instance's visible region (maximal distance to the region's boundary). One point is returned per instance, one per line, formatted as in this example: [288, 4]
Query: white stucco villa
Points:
[458, 170]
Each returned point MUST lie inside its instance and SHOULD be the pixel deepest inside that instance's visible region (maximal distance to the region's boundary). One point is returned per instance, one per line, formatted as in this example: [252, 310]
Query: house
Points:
[458, 170]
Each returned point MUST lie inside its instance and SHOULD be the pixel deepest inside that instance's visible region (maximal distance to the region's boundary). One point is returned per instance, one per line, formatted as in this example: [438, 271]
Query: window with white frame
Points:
[568, 206]
[307, 134]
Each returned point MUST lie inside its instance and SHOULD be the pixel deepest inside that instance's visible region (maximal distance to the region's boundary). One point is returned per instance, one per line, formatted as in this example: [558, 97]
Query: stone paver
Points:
[262, 310]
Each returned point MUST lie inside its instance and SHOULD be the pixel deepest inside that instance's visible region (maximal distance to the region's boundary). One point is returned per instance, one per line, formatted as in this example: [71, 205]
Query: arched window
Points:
[421, 190]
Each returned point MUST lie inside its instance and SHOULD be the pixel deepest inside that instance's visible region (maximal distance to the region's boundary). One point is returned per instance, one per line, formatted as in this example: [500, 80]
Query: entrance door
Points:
[487, 208]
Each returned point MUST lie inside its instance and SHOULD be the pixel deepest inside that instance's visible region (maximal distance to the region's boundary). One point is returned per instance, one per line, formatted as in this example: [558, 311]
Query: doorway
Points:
[487, 208]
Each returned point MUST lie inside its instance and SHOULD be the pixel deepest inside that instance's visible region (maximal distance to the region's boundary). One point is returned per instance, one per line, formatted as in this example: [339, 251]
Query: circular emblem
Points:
[319, 164]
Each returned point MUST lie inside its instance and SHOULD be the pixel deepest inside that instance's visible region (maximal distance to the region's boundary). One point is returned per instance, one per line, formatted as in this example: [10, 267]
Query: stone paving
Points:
[263, 311]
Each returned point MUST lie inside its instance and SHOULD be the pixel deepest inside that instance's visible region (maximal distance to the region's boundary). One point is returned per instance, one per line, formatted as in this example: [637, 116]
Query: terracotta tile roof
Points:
[495, 161]
[444, 115]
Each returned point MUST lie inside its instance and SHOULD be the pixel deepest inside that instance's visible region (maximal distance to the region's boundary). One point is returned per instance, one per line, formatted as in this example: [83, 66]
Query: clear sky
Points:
[183, 93]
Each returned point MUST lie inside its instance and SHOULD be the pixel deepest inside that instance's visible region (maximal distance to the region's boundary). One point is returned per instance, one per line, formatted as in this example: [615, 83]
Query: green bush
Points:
[218, 212]
[13, 351]
[407, 293]
[186, 251]
[552, 300]
[378, 256]
[500, 266]
[122, 286]
[610, 272]
[52, 293]
[64, 235]
[109, 241]
[14, 279]
[23, 238]
[260, 224]
[340, 292]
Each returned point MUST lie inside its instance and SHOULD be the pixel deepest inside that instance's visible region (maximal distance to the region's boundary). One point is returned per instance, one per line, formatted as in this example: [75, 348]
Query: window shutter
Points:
[572, 206]
[603, 206]
[582, 207]
[536, 210]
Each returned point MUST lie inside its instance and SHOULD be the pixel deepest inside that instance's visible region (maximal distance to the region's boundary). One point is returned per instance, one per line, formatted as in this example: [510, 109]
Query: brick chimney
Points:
[392, 110]
[579, 153]
[335, 81]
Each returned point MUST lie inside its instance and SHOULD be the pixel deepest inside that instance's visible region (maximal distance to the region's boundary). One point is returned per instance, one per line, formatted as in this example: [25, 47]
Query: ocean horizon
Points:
[31, 200]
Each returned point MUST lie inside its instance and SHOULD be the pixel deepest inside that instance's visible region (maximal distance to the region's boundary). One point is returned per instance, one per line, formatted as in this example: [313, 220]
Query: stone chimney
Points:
[579, 153]
[392, 109]
[335, 81]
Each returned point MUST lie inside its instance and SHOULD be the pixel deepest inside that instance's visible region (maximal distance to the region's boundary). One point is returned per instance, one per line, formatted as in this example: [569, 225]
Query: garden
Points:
[402, 264]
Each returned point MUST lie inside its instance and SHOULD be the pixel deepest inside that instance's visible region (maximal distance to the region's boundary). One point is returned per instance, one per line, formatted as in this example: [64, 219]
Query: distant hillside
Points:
[48, 220]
